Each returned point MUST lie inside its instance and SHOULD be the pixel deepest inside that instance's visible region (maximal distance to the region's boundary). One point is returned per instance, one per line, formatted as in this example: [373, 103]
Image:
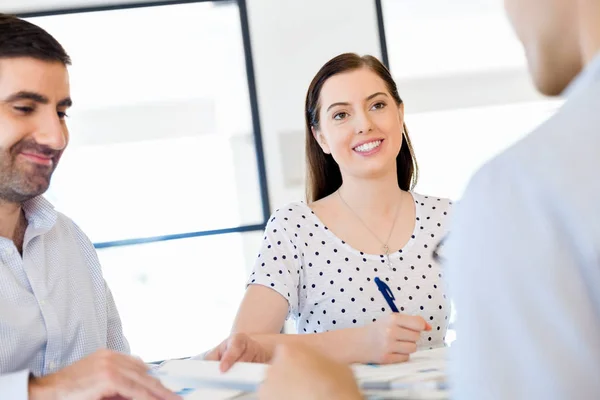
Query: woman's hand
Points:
[392, 339]
[238, 348]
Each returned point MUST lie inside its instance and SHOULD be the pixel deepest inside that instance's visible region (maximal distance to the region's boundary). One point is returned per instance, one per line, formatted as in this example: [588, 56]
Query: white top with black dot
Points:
[330, 285]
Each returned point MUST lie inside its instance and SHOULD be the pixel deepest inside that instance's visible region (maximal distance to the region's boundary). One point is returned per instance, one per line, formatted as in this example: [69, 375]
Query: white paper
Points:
[208, 380]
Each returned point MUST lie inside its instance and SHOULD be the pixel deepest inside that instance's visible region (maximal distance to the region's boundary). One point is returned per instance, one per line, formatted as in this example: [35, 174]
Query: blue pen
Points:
[387, 294]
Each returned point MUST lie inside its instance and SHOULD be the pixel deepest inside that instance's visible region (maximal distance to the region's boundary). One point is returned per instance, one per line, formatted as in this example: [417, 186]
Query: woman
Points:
[319, 259]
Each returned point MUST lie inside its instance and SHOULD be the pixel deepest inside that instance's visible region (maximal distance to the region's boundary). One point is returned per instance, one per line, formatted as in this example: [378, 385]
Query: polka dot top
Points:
[330, 285]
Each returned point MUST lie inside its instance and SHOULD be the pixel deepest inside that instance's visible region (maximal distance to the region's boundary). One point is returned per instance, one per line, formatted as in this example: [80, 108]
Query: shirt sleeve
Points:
[278, 264]
[526, 327]
[115, 338]
[15, 386]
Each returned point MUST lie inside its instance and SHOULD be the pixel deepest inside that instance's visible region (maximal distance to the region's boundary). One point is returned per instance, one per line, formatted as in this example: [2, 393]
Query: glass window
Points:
[162, 143]
[186, 290]
[463, 76]
[451, 145]
[161, 128]
[435, 37]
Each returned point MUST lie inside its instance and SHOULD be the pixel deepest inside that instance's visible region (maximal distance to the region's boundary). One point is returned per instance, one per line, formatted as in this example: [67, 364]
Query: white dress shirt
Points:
[55, 307]
[524, 262]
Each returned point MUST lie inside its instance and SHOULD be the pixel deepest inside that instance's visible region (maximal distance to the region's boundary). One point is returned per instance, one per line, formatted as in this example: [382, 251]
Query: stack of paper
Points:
[423, 377]
[207, 381]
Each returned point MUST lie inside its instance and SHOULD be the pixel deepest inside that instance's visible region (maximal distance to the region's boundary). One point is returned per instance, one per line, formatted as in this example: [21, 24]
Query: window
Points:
[186, 290]
[463, 77]
[163, 145]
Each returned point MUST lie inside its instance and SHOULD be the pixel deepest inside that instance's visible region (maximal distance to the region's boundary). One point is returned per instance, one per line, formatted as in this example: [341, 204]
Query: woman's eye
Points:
[339, 116]
[378, 106]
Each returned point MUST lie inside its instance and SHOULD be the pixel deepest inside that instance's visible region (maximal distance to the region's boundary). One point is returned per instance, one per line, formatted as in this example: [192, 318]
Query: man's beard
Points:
[21, 181]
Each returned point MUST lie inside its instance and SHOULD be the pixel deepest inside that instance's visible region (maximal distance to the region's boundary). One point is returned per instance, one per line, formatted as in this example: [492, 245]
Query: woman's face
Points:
[360, 124]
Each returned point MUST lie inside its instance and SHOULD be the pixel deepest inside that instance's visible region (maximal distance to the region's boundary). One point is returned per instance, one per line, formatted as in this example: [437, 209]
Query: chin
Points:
[552, 75]
[550, 85]
[33, 189]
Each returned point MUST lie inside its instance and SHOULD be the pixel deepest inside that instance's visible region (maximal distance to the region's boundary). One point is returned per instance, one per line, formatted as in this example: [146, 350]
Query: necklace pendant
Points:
[386, 250]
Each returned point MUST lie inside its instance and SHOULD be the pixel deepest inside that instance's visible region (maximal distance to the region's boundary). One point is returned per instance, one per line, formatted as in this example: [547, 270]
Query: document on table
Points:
[203, 379]
[424, 374]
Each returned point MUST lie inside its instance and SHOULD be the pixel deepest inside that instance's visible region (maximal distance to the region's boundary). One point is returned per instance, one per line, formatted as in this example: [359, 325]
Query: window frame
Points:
[253, 98]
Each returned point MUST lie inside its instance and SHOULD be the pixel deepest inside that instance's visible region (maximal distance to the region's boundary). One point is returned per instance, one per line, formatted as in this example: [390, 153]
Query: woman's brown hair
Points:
[323, 176]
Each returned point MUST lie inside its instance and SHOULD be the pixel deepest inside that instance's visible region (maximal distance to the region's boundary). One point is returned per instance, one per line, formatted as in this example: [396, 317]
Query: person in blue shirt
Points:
[523, 258]
[60, 332]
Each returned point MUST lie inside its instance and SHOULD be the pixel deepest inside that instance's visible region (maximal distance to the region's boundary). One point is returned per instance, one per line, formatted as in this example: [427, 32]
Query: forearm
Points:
[344, 345]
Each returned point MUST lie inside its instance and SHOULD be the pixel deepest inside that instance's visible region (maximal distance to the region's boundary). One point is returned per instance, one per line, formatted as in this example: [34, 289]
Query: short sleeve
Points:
[278, 264]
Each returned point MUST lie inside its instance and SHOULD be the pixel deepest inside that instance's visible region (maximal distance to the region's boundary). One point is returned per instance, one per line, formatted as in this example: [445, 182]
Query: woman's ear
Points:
[401, 112]
[321, 140]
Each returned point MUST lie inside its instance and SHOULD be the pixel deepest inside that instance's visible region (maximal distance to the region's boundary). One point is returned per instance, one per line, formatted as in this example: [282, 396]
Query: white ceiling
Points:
[22, 6]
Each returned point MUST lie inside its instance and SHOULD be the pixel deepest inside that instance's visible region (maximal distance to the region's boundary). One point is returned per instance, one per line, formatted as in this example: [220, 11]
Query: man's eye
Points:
[24, 110]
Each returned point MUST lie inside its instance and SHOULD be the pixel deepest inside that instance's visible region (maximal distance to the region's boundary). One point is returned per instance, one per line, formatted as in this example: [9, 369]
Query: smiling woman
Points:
[324, 175]
[320, 260]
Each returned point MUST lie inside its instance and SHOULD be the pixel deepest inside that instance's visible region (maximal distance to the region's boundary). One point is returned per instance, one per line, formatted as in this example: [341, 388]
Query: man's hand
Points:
[238, 348]
[104, 374]
[298, 372]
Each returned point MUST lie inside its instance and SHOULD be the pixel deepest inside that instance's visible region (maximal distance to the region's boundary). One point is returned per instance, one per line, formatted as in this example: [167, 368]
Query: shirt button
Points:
[52, 365]
[9, 252]
[42, 302]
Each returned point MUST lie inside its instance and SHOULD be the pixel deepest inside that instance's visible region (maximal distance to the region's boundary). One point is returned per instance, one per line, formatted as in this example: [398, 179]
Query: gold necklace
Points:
[385, 247]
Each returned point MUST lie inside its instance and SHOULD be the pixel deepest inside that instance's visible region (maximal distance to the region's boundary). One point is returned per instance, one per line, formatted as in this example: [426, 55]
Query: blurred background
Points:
[187, 130]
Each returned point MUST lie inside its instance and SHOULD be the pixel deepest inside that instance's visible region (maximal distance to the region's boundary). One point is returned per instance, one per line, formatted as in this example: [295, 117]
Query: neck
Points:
[10, 221]
[381, 193]
[589, 29]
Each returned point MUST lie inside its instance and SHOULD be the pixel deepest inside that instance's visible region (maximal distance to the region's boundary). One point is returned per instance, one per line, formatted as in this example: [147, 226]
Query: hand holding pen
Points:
[394, 338]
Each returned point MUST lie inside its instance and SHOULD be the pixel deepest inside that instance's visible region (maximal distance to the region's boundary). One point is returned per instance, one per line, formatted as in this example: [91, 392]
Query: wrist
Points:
[40, 389]
[359, 345]
[267, 343]
[347, 345]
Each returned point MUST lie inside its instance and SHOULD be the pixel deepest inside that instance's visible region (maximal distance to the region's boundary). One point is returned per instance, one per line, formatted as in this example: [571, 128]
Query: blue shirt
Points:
[524, 262]
[55, 307]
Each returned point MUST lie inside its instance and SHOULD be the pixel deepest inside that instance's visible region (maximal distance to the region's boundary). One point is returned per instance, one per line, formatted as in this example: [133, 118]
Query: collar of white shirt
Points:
[41, 216]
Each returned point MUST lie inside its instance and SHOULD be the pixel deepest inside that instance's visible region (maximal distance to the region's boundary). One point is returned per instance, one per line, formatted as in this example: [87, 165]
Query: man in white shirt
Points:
[55, 307]
[524, 254]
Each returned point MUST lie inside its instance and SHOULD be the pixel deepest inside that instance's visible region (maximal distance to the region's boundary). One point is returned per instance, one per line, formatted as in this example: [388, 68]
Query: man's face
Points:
[548, 31]
[34, 96]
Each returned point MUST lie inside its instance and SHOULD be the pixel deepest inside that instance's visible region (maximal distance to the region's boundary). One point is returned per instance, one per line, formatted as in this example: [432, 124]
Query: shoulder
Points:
[294, 209]
[429, 199]
[65, 223]
[290, 215]
[432, 206]
[76, 239]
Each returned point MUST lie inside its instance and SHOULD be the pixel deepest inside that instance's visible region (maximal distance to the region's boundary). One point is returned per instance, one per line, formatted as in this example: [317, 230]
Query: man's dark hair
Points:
[19, 38]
